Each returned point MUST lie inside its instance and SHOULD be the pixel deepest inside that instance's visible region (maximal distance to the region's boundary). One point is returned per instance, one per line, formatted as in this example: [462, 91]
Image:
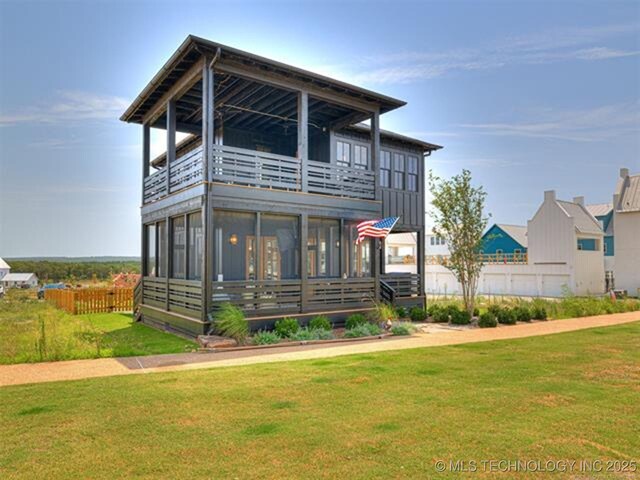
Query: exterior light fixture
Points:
[233, 239]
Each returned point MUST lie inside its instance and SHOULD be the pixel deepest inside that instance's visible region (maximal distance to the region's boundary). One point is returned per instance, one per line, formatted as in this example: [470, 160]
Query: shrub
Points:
[320, 323]
[494, 309]
[307, 334]
[401, 312]
[417, 314]
[506, 316]
[383, 312]
[487, 320]
[264, 337]
[402, 328]
[461, 317]
[354, 320]
[230, 321]
[363, 330]
[522, 313]
[432, 308]
[286, 327]
[476, 312]
[440, 315]
[538, 312]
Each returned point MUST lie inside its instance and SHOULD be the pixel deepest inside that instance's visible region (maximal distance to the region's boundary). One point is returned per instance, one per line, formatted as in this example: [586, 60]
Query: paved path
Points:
[104, 367]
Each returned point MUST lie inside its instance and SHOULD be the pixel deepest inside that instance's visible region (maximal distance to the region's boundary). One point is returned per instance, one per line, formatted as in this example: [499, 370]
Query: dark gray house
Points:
[258, 207]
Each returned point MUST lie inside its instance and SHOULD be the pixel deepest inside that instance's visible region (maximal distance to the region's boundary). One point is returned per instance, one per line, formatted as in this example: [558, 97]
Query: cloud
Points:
[588, 125]
[68, 106]
[568, 44]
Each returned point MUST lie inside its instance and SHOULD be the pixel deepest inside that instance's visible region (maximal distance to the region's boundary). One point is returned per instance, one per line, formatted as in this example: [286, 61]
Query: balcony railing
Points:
[403, 284]
[487, 259]
[240, 166]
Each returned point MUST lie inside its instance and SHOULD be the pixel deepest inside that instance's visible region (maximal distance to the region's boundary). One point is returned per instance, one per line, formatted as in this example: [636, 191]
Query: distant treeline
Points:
[57, 271]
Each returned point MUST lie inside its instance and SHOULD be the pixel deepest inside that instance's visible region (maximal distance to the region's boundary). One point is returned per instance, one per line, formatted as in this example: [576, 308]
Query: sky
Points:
[529, 96]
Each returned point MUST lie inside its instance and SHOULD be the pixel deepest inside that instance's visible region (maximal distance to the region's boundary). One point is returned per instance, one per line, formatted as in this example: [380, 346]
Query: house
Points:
[564, 245]
[20, 280]
[4, 268]
[259, 206]
[505, 242]
[626, 239]
[401, 251]
[603, 212]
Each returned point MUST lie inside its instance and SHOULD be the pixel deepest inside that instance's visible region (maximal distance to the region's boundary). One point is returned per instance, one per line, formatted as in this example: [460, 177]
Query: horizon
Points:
[529, 99]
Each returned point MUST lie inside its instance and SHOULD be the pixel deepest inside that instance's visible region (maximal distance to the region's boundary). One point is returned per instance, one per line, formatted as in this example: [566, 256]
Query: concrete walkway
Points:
[104, 367]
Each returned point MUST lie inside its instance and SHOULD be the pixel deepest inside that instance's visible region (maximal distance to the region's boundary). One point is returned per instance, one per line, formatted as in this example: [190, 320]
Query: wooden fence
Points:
[91, 300]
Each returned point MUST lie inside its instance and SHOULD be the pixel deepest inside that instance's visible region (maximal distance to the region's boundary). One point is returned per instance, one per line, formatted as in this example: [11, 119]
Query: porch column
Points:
[375, 153]
[208, 129]
[146, 154]
[171, 140]
[303, 137]
[420, 260]
[304, 258]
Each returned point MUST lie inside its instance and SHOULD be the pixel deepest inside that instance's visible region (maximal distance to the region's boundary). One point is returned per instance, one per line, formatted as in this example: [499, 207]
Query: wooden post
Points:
[303, 137]
[258, 248]
[304, 258]
[375, 153]
[375, 266]
[208, 129]
[344, 250]
[146, 154]
[171, 139]
[168, 260]
[420, 260]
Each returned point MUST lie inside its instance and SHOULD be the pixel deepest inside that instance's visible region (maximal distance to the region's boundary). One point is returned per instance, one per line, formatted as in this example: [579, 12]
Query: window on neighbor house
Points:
[323, 248]
[360, 157]
[162, 249]
[196, 246]
[412, 173]
[398, 171]
[605, 247]
[499, 251]
[385, 169]
[433, 240]
[588, 244]
[178, 242]
[150, 261]
[517, 251]
[343, 154]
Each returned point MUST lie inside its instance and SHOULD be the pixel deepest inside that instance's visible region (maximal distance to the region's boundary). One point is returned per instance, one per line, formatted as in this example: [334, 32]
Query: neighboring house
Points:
[603, 212]
[503, 239]
[401, 251]
[626, 220]
[125, 280]
[20, 280]
[259, 206]
[5, 269]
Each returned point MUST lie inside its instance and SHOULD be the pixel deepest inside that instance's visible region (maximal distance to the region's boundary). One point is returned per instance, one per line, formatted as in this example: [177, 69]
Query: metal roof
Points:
[517, 232]
[4, 264]
[630, 196]
[584, 221]
[599, 209]
[192, 50]
[17, 277]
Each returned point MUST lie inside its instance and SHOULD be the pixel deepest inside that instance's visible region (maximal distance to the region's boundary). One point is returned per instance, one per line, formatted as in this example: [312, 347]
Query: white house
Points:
[20, 280]
[5, 269]
[401, 253]
[626, 239]
[565, 252]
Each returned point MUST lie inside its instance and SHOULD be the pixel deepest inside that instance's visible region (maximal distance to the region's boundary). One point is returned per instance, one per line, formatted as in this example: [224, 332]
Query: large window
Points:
[323, 243]
[343, 154]
[235, 245]
[360, 157]
[279, 247]
[150, 261]
[398, 171]
[178, 242]
[359, 259]
[385, 169]
[196, 246]
[162, 249]
[412, 173]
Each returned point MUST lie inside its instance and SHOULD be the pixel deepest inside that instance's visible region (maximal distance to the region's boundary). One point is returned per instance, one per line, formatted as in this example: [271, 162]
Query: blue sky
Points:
[527, 95]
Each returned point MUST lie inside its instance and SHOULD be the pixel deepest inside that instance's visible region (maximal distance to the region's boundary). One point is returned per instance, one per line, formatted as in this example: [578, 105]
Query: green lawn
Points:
[387, 415]
[34, 331]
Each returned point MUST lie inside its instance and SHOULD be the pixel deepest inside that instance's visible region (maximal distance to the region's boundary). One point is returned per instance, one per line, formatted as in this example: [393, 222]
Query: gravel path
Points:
[432, 336]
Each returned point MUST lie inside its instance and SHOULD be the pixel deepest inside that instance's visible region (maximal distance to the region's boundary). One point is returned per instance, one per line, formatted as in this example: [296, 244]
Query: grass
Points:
[34, 331]
[385, 415]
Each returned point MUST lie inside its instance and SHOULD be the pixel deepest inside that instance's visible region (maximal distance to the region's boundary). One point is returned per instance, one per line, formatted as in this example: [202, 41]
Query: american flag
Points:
[375, 228]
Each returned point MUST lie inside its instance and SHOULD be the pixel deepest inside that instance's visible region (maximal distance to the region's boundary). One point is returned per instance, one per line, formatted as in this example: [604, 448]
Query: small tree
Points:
[459, 219]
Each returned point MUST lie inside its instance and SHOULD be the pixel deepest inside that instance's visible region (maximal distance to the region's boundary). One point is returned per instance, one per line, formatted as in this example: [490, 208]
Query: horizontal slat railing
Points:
[155, 186]
[349, 292]
[185, 172]
[486, 258]
[154, 292]
[239, 166]
[259, 297]
[341, 181]
[403, 284]
[185, 296]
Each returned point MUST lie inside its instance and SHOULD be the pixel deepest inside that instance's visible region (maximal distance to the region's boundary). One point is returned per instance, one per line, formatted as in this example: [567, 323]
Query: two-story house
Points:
[259, 206]
[626, 239]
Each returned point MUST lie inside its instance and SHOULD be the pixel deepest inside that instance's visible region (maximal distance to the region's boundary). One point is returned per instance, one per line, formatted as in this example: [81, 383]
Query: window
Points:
[235, 245]
[605, 247]
[162, 249]
[499, 251]
[360, 157]
[433, 240]
[517, 251]
[323, 248]
[385, 169]
[196, 246]
[343, 154]
[150, 261]
[359, 259]
[412, 173]
[178, 242]
[279, 247]
[398, 171]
